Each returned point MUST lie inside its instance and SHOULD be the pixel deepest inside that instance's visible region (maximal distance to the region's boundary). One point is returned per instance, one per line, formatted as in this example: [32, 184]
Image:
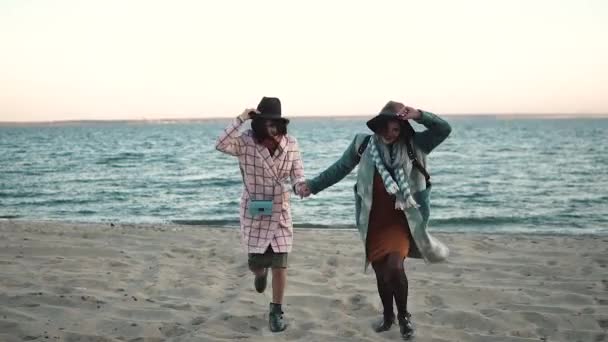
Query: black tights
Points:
[392, 283]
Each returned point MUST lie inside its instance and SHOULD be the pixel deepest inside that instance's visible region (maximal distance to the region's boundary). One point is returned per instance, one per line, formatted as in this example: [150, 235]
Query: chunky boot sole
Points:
[406, 328]
[383, 325]
[278, 328]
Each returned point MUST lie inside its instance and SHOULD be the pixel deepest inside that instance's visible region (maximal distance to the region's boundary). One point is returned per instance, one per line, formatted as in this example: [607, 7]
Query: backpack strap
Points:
[362, 147]
[416, 163]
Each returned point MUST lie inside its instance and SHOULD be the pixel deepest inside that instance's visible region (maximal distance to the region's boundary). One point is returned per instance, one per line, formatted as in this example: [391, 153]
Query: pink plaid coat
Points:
[265, 177]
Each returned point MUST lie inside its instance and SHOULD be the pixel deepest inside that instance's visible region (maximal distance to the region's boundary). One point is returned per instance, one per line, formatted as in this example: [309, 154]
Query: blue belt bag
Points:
[260, 207]
[257, 207]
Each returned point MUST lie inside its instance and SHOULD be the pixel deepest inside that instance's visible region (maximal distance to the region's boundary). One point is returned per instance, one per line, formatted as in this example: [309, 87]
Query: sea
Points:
[496, 174]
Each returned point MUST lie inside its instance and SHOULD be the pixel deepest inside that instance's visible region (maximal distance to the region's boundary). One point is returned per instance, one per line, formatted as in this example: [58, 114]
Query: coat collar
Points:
[269, 161]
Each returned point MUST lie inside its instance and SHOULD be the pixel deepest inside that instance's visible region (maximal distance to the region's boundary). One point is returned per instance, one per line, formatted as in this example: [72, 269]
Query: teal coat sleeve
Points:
[338, 170]
[437, 131]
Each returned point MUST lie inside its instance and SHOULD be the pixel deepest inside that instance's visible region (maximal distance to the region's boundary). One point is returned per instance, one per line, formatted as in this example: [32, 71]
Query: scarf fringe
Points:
[400, 188]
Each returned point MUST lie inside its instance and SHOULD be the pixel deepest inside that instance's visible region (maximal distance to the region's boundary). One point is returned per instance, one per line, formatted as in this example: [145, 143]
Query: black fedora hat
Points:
[270, 108]
[389, 112]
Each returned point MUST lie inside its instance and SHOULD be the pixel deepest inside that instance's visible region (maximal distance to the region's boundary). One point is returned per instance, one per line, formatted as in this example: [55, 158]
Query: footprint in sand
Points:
[332, 261]
[435, 301]
[181, 250]
[7, 325]
[346, 333]
[588, 311]
[202, 308]
[118, 264]
[308, 326]
[356, 299]
[331, 273]
[587, 270]
[183, 306]
[357, 302]
[172, 330]
[198, 320]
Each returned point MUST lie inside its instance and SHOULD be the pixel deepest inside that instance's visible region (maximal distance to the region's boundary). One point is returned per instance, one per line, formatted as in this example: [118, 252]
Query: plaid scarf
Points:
[399, 188]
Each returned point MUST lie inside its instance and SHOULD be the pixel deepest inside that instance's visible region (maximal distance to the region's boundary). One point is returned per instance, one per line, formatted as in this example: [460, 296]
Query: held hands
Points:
[303, 190]
[246, 114]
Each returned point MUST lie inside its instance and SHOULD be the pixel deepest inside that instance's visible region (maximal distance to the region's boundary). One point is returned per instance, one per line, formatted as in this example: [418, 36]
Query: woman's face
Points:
[271, 128]
[391, 132]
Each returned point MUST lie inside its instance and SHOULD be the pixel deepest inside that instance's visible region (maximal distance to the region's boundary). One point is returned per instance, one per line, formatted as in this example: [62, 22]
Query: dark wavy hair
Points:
[258, 126]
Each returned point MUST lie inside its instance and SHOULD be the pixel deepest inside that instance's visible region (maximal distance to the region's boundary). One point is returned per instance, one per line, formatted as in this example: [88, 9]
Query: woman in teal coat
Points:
[391, 200]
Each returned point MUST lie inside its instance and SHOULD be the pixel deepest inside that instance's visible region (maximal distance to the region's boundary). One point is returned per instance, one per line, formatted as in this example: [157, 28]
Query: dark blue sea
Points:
[519, 175]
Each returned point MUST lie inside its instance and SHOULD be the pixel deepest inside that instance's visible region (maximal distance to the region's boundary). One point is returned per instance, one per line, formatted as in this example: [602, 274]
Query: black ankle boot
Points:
[275, 318]
[384, 324]
[406, 327]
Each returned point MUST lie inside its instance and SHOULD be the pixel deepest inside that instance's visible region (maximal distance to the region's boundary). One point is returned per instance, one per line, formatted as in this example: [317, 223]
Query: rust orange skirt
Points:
[388, 230]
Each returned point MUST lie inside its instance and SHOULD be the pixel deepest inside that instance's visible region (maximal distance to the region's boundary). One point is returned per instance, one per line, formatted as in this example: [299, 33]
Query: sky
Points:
[145, 59]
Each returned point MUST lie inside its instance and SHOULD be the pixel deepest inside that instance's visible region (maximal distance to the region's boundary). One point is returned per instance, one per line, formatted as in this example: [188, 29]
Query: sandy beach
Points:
[98, 282]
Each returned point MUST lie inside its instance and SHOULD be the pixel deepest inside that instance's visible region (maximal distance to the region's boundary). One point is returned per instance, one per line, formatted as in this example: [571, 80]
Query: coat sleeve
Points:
[230, 141]
[337, 171]
[297, 167]
[437, 131]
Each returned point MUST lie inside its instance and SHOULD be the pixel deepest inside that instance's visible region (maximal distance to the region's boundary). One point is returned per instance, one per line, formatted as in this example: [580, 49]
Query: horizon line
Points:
[347, 116]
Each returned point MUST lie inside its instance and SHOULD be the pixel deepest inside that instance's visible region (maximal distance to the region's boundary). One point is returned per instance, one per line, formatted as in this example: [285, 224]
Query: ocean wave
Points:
[23, 194]
[587, 201]
[121, 157]
[209, 223]
[212, 181]
[487, 221]
[233, 223]
[59, 202]
[86, 212]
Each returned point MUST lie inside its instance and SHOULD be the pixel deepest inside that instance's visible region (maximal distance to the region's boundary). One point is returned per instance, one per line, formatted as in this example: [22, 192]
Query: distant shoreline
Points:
[231, 225]
[499, 116]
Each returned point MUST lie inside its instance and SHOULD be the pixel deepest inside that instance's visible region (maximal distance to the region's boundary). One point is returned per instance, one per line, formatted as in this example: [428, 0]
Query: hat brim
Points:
[378, 121]
[270, 117]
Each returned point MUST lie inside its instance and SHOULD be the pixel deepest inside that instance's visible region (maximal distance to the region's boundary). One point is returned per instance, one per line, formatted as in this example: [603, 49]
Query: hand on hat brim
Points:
[248, 114]
[408, 113]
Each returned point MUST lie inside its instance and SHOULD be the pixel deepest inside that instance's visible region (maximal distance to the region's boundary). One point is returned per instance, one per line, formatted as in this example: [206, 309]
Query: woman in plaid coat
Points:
[269, 160]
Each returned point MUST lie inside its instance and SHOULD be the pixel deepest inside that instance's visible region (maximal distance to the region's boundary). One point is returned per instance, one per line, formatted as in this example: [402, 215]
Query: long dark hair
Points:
[258, 126]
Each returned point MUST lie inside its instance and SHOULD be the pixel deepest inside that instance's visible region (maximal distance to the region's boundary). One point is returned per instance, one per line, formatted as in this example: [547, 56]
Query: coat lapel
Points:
[280, 154]
[267, 159]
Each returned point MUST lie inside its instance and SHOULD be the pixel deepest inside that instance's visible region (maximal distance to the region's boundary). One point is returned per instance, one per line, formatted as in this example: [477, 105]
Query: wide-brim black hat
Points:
[389, 112]
[270, 108]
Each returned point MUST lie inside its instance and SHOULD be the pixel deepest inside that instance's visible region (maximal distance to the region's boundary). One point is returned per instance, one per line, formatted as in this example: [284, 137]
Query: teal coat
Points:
[422, 244]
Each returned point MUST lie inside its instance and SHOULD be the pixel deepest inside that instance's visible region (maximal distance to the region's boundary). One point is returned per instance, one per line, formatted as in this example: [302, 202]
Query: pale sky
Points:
[80, 60]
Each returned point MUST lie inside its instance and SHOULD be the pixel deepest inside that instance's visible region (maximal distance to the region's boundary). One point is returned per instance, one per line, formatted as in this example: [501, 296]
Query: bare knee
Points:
[279, 271]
